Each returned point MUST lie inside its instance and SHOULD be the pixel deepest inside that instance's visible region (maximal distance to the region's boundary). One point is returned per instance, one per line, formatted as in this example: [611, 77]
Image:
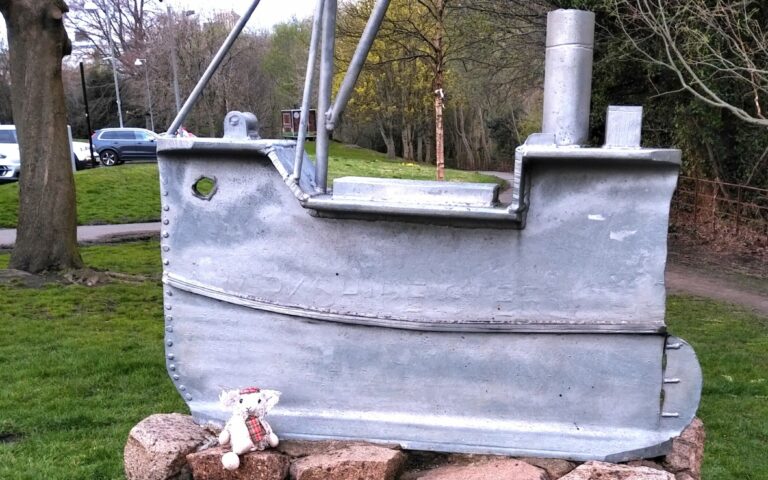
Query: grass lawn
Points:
[732, 346]
[130, 193]
[81, 366]
[351, 161]
[126, 194]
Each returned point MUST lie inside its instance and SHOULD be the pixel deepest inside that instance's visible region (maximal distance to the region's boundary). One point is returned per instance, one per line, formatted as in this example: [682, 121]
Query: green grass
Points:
[134, 258]
[126, 194]
[81, 366]
[351, 161]
[732, 346]
[130, 193]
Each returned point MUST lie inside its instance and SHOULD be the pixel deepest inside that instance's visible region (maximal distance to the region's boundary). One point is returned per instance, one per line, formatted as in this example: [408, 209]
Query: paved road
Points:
[508, 176]
[505, 196]
[92, 233]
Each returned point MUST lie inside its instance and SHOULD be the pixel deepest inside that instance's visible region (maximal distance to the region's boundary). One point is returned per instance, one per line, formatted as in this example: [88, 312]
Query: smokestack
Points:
[568, 75]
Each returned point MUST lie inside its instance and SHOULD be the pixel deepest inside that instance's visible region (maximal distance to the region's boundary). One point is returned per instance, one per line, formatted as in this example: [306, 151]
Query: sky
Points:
[267, 14]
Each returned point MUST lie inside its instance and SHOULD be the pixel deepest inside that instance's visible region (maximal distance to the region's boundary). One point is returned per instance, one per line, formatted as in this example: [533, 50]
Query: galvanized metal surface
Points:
[415, 275]
[623, 126]
[419, 192]
[382, 316]
[573, 396]
[568, 75]
[241, 126]
[324, 92]
[382, 337]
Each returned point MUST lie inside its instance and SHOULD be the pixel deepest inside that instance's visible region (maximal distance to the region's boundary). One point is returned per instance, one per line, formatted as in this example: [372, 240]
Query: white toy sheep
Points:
[247, 430]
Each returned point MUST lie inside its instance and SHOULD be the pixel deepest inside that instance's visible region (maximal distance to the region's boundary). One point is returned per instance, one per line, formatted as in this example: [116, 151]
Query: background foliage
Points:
[491, 59]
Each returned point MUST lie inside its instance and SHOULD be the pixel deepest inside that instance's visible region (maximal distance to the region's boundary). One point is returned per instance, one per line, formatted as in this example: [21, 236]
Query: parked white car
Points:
[10, 159]
[82, 151]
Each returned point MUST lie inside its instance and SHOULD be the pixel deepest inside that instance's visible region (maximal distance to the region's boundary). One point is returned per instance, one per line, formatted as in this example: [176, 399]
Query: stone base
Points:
[171, 447]
[158, 445]
[267, 465]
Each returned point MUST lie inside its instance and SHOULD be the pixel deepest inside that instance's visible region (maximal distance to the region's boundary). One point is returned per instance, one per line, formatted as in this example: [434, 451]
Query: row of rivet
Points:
[169, 318]
[169, 343]
[165, 233]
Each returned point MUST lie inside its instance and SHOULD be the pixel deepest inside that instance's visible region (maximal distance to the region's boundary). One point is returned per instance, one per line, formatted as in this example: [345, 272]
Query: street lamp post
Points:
[174, 59]
[117, 85]
[93, 8]
[139, 62]
[87, 113]
[174, 63]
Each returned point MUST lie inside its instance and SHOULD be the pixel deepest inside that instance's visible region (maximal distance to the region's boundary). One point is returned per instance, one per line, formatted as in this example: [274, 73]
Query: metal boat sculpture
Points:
[431, 314]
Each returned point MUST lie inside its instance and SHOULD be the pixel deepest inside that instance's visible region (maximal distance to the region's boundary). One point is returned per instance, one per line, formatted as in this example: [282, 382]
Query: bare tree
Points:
[47, 227]
[123, 22]
[6, 114]
[240, 83]
[713, 48]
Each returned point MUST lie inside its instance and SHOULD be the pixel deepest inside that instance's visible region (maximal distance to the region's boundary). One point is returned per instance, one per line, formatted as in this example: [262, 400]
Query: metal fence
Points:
[720, 210]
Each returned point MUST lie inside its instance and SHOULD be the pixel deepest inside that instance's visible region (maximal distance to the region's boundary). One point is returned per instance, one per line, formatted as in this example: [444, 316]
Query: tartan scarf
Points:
[255, 429]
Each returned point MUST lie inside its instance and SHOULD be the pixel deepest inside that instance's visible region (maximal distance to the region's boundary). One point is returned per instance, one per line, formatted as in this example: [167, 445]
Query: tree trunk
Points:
[484, 141]
[439, 141]
[455, 141]
[389, 140]
[461, 130]
[47, 227]
[407, 140]
[212, 122]
[439, 94]
[420, 148]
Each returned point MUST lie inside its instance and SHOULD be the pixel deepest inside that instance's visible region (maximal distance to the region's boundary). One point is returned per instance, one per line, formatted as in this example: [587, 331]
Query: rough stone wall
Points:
[172, 447]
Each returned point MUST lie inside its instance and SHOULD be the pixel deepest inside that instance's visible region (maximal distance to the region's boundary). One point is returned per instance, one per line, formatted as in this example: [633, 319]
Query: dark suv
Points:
[116, 145]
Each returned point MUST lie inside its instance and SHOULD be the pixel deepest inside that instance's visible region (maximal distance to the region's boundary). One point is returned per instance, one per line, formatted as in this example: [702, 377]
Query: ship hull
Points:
[545, 340]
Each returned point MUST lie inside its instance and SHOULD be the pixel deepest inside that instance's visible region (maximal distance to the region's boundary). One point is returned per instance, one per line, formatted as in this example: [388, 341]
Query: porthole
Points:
[205, 188]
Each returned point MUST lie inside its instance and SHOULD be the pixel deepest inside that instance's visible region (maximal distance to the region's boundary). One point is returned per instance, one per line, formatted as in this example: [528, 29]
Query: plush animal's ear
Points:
[271, 397]
[228, 398]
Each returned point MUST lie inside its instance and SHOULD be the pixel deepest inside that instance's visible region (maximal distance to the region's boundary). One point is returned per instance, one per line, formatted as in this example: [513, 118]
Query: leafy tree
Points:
[714, 48]
[636, 64]
[715, 52]
[286, 61]
[462, 60]
[393, 91]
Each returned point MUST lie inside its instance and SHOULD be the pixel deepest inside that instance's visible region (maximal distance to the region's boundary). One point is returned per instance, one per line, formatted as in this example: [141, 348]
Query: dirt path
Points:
[681, 279]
